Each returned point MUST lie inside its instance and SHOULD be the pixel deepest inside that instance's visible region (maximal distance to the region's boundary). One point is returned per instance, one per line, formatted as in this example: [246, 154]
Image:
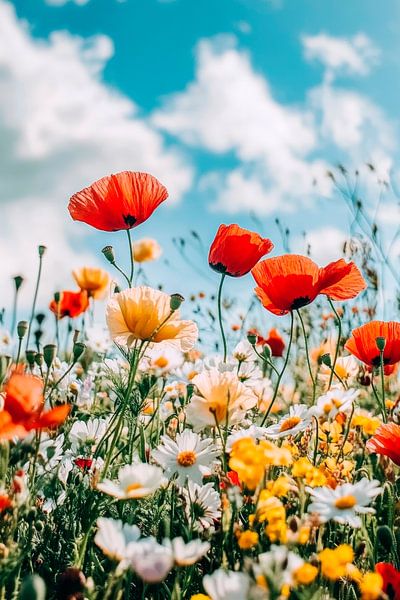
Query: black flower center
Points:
[299, 302]
[129, 220]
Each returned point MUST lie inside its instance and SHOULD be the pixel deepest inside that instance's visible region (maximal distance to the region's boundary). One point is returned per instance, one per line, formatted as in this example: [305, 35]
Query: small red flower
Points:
[275, 342]
[5, 502]
[71, 304]
[363, 344]
[120, 201]
[386, 441]
[235, 251]
[391, 580]
[288, 282]
[83, 463]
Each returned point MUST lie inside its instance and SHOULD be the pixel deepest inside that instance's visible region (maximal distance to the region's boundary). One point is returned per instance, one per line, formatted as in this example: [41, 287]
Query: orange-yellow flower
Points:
[92, 280]
[146, 250]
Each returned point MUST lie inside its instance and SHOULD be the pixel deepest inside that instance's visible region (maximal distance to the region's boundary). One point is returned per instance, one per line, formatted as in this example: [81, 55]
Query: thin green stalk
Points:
[382, 370]
[282, 372]
[382, 408]
[339, 322]
[221, 325]
[307, 353]
[132, 259]
[34, 299]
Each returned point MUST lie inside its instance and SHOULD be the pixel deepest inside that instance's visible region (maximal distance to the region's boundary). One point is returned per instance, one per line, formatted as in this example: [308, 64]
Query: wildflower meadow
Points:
[181, 450]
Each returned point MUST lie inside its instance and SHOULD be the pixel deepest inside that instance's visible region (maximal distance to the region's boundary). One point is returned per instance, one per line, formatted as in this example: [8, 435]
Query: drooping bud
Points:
[252, 339]
[78, 350]
[266, 352]
[108, 252]
[22, 328]
[30, 357]
[42, 249]
[380, 343]
[18, 281]
[33, 588]
[175, 301]
[326, 360]
[49, 354]
[39, 359]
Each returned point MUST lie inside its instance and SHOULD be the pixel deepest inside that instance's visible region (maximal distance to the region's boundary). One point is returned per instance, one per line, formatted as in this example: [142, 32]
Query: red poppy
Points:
[274, 341]
[83, 463]
[363, 344]
[386, 441]
[5, 502]
[120, 201]
[391, 580]
[235, 251]
[71, 304]
[24, 407]
[288, 282]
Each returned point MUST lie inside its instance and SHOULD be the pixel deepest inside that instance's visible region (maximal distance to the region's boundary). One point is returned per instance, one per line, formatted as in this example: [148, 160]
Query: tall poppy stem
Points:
[221, 325]
[382, 370]
[132, 259]
[282, 372]
[307, 353]
[41, 252]
[339, 325]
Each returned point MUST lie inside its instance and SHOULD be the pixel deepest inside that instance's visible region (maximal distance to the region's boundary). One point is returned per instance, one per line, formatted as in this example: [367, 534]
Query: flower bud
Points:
[49, 354]
[40, 317]
[39, 359]
[117, 289]
[266, 352]
[252, 339]
[385, 537]
[108, 252]
[57, 297]
[78, 350]
[175, 301]
[380, 343]
[32, 588]
[22, 328]
[30, 357]
[18, 280]
[76, 335]
[42, 250]
[326, 360]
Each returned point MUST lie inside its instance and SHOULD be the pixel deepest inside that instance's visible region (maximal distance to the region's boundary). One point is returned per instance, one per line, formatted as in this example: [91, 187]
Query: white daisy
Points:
[226, 585]
[115, 538]
[203, 505]
[87, 433]
[151, 560]
[134, 481]
[186, 554]
[346, 368]
[344, 502]
[188, 456]
[162, 359]
[334, 401]
[244, 352]
[279, 565]
[298, 419]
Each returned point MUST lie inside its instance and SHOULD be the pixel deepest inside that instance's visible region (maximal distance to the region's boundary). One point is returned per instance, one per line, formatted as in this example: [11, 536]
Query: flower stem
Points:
[307, 353]
[221, 325]
[128, 231]
[382, 370]
[34, 300]
[339, 322]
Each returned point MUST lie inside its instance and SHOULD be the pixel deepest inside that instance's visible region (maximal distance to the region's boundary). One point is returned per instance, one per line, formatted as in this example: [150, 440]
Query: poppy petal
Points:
[340, 280]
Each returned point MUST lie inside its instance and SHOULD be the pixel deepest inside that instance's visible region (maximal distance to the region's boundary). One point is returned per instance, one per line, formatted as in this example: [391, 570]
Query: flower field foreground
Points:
[138, 465]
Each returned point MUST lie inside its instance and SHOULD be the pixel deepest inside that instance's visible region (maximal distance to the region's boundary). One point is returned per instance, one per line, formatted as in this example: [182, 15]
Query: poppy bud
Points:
[40, 317]
[252, 339]
[18, 280]
[385, 537]
[108, 252]
[57, 297]
[117, 289]
[22, 328]
[176, 301]
[39, 359]
[75, 336]
[49, 354]
[33, 588]
[380, 343]
[78, 350]
[30, 357]
[326, 360]
[41, 250]
[266, 352]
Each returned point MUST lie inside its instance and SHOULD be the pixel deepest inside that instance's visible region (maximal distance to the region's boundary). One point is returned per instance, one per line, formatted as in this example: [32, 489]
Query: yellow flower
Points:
[371, 586]
[92, 280]
[368, 424]
[143, 313]
[146, 250]
[280, 487]
[304, 469]
[248, 460]
[305, 574]
[248, 539]
[334, 563]
[275, 455]
[200, 597]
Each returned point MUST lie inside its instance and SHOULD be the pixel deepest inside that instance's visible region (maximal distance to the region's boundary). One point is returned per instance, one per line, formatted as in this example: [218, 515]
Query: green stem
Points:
[128, 231]
[221, 325]
[339, 322]
[282, 372]
[34, 300]
[307, 353]
[382, 370]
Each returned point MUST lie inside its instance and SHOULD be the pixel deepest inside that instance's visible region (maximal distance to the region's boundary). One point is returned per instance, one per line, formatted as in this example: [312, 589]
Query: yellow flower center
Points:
[161, 362]
[289, 423]
[345, 502]
[186, 458]
[327, 407]
[341, 371]
[192, 374]
[132, 487]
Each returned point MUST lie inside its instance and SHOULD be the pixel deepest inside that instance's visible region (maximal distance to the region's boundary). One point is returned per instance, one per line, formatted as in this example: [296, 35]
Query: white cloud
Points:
[62, 127]
[62, 2]
[324, 244]
[352, 55]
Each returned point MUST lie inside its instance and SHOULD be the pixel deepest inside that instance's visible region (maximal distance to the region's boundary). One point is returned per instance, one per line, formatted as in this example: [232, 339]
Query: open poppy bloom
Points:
[363, 344]
[120, 201]
[235, 251]
[71, 304]
[288, 282]
[24, 407]
[386, 442]
[92, 280]
[391, 580]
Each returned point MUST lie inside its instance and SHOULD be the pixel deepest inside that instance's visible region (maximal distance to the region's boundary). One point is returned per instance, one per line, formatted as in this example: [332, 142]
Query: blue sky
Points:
[236, 105]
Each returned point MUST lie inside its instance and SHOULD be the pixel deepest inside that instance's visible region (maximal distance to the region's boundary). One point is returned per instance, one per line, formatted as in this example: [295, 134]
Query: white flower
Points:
[279, 565]
[346, 368]
[87, 433]
[162, 358]
[5, 342]
[244, 351]
[186, 554]
[334, 401]
[250, 374]
[226, 585]
[116, 538]
[134, 481]
[98, 339]
[188, 456]
[298, 419]
[344, 502]
[151, 560]
[203, 505]
[254, 432]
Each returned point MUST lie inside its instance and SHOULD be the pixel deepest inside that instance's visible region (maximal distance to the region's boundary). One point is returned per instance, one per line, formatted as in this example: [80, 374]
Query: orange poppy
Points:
[71, 304]
[386, 441]
[120, 201]
[363, 344]
[288, 282]
[235, 251]
[5, 501]
[24, 407]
